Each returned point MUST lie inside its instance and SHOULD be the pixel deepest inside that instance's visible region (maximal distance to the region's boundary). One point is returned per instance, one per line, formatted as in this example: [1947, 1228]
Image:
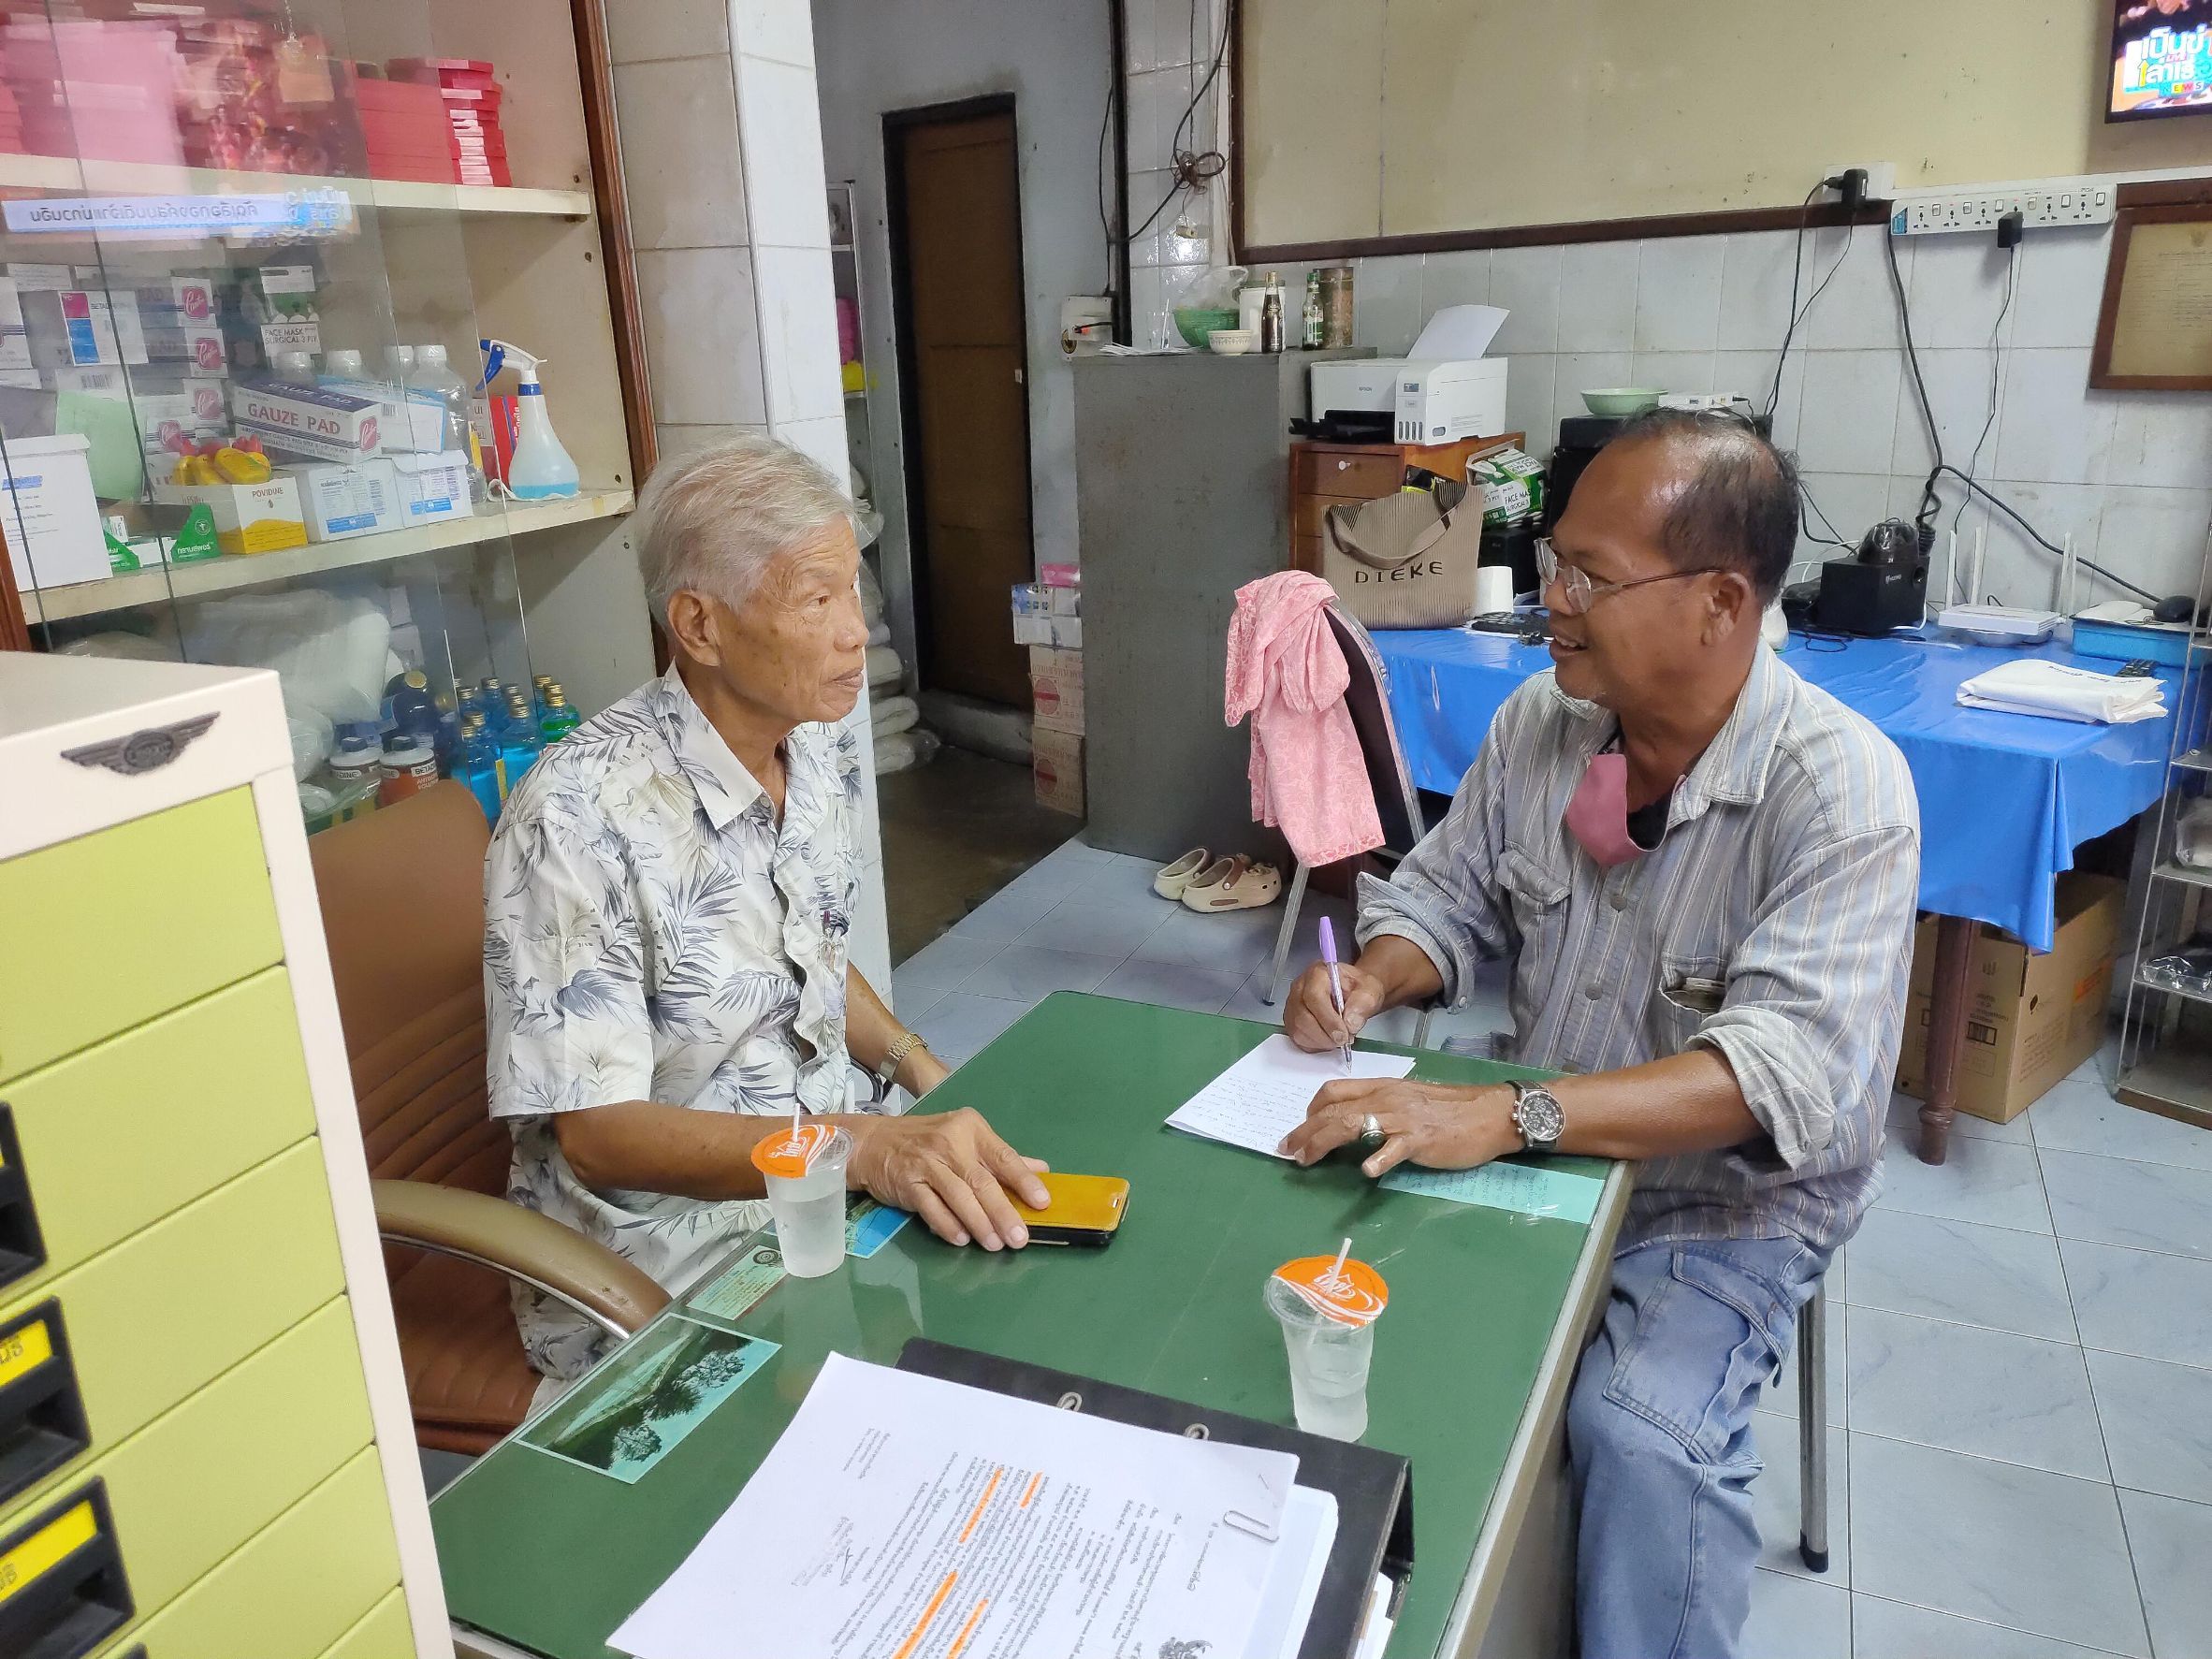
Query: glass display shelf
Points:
[216, 575]
[248, 251]
[126, 177]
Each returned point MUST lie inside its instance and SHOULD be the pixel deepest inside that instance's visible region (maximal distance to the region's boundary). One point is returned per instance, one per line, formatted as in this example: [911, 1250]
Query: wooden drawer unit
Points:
[1362, 471]
[172, 1308]
[1307, 511]
[220, 1086]
[112, 928]
[1325, 476]
[188, 1490]
[324, 1572]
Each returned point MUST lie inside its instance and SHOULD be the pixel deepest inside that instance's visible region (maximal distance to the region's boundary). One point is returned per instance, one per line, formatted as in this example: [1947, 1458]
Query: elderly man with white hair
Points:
[667, 901]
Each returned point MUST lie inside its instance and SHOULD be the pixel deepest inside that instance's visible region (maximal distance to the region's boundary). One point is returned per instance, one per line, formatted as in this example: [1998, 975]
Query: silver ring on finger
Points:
[1371, 1134]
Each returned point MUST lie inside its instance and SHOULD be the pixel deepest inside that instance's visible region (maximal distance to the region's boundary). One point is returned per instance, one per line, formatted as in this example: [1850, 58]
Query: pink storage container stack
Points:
[470, 92]
[404, 130]
[103, 91]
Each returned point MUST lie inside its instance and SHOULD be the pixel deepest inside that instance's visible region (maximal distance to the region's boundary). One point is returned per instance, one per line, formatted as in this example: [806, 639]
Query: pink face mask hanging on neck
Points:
[1597, 816]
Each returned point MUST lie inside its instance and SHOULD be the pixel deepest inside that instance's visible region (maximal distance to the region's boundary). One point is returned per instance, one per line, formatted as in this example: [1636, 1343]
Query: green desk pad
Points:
[551, 1556]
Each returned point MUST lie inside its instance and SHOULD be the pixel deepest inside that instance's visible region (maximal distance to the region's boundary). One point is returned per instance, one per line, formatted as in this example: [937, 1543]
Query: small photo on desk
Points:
[629, 1415]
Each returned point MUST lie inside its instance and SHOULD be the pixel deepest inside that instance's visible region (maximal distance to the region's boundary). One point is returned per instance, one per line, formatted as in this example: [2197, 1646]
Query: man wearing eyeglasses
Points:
[1703, 872]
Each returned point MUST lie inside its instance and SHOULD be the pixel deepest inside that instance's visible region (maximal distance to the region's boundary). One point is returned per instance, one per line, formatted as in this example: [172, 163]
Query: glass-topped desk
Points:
[544, 1555]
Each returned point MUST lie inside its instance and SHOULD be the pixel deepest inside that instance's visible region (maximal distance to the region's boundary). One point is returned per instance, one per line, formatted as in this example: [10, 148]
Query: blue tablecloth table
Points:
[2005, 798]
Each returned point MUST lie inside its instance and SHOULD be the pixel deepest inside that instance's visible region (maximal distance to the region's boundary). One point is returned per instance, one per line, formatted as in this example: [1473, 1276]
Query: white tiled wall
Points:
[722, 145]
[2126, 474]
[1170, 47]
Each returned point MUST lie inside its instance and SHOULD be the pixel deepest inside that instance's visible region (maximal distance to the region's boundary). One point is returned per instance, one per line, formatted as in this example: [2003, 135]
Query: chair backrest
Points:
[402, 897]
[1368, 697]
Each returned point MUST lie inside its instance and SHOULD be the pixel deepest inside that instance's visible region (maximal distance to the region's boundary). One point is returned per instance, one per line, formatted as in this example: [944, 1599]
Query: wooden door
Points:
[957, 250]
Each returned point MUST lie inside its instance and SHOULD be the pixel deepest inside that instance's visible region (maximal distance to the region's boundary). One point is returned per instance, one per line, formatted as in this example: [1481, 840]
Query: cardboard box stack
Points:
[243, 93]
[1048, 619]
[404, 131]
[470, 94]
[104, 91]
[2031, 1019]
[12, 117]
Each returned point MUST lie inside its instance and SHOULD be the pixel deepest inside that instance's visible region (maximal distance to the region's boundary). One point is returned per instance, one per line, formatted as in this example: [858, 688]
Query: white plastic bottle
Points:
[433, 375]
[540, 467]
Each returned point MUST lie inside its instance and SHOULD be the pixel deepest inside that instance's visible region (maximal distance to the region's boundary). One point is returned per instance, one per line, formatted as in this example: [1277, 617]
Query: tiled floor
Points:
[954, 831]
[2021, 1390]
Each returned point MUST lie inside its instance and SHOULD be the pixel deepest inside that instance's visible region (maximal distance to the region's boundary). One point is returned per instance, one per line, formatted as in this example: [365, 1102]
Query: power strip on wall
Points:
[2041, 205]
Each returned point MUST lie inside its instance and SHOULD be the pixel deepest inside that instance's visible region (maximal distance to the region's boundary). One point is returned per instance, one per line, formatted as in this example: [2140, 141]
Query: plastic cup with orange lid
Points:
[804, 1169]
[1327, 1309]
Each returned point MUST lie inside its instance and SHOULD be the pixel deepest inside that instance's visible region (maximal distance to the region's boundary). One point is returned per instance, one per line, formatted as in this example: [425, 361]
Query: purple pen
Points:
[1335, 982]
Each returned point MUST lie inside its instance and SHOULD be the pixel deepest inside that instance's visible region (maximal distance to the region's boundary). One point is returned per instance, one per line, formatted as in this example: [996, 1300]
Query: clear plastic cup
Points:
[1329, 1341]
[806, 1183]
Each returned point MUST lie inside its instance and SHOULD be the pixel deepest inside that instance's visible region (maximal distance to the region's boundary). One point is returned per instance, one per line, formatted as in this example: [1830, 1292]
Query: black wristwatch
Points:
[1540, 1117]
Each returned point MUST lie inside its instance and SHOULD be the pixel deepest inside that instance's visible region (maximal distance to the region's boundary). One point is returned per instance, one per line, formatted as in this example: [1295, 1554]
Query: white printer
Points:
[1432, 400]
[1444, 390]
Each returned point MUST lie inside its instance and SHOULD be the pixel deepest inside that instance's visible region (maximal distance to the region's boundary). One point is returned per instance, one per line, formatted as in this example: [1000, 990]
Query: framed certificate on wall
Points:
[2154, 329]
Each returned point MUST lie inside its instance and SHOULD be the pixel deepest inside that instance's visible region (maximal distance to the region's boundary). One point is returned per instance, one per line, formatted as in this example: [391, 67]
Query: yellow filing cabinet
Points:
[383, 1631]
[219, 1084]
[166, 1313]
[298, 1586]
[205, 1449]
[133, 921]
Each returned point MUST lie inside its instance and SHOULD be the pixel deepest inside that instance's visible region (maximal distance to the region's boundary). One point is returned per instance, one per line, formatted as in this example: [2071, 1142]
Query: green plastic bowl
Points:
[1196, 324]
[1622, 400]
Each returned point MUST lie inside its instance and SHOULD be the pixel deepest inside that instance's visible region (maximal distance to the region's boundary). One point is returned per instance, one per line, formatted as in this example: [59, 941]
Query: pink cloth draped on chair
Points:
[1286, 671]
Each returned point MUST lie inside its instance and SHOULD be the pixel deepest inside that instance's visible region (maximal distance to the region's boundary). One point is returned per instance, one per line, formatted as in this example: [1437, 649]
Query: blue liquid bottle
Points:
[481, 767]
[519, 743]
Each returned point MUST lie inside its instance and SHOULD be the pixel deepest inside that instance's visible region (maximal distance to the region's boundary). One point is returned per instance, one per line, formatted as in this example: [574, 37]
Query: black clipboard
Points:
[1373, 1489]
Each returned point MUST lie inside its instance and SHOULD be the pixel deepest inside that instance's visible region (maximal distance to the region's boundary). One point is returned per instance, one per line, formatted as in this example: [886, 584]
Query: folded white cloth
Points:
[2058, 690]
[888, 715]
[884, 667]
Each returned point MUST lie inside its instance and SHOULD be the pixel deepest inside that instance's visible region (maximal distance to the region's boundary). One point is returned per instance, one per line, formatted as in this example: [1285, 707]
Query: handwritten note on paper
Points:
[1530, 1189]
[1263, 1097]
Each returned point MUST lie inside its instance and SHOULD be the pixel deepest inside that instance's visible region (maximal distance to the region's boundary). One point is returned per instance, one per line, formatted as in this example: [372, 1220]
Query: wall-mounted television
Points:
[2161, 58]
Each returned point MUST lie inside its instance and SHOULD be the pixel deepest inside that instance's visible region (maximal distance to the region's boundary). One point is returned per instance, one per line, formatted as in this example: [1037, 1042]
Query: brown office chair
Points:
[1397, 802]
[402, 897]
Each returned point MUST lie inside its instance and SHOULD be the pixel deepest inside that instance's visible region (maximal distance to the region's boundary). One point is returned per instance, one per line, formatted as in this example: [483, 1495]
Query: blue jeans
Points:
[1660, 1446]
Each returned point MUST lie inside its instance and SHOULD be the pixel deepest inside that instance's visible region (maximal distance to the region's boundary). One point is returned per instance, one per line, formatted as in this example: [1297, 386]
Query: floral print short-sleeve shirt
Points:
[653, 933]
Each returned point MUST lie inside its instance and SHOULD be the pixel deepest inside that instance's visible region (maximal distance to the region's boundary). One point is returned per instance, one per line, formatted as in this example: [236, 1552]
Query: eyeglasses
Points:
[1578, 593]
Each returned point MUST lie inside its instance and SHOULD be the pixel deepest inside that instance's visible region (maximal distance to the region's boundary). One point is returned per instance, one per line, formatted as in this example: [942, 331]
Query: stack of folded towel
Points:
[2036, 685]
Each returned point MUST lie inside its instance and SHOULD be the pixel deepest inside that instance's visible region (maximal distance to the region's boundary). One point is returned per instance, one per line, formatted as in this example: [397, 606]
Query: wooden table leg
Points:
[1946, 1034]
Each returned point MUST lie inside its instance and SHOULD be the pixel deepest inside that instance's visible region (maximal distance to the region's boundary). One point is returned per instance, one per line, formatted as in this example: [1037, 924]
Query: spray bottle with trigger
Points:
[541, 466]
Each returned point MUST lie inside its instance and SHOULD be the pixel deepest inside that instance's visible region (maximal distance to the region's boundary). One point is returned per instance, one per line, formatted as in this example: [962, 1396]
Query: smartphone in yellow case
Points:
[1085, 1210]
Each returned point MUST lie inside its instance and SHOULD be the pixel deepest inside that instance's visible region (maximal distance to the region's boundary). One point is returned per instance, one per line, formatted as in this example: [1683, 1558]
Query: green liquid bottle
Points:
[559, 720]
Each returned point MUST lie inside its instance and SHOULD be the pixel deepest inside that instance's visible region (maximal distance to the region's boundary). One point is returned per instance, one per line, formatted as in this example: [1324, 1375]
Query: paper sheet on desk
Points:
[901, 1514]
[1294, 1581]
[1263, 1097]
[1528, 1189]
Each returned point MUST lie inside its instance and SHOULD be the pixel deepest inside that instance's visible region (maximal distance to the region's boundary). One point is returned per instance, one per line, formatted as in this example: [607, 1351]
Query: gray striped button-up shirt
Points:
[1773, 923]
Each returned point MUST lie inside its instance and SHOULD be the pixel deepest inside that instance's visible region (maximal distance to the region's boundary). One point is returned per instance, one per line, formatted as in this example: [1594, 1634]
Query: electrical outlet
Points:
[2041, 204]
[1880, 177]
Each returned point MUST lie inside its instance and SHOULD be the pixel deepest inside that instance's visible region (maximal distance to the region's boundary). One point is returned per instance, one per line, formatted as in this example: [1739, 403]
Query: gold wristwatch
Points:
[905, 1043]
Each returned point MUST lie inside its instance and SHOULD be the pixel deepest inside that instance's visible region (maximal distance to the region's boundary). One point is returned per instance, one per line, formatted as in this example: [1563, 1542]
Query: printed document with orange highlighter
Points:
[905, 1516]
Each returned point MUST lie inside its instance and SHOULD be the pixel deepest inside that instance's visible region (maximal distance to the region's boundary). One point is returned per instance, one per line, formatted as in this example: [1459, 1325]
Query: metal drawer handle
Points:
[142, 751]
